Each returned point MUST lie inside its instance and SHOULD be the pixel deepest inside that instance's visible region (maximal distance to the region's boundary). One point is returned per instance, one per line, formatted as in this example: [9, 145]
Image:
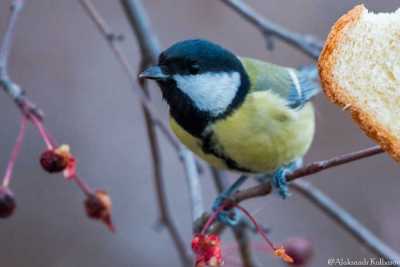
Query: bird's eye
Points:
[194, 69]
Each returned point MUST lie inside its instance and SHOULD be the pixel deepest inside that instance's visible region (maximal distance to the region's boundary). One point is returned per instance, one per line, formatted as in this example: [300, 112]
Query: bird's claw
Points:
[279, 182]
[229, 216]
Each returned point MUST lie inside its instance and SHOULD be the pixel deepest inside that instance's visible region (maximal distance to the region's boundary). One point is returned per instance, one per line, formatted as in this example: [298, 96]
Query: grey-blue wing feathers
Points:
[302, 89]
[296, 87]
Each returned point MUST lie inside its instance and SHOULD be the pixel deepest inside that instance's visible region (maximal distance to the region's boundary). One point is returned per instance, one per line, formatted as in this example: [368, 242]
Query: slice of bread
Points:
[360, 70]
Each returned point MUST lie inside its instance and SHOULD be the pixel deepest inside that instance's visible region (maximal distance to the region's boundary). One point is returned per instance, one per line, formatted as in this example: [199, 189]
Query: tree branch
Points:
[165, 216]
[112, 39]
[26, 106]
[315, 167]
[347, 221]
[140, 23]
[193, 182]
[308, 44]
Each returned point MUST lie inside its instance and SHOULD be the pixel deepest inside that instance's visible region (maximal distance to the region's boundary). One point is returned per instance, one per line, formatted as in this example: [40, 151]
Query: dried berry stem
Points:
[258, 228]
[15, 152]
[43, 132]
[211, 219]
[83, 186]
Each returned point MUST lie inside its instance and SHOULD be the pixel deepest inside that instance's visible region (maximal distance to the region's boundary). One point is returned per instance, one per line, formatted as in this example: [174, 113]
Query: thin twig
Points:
[15, 152]
[26, 106]
[315, 167]
[165, 215]
[347, 221]
[193, 182]
[174, 142]
[110, 36]
[309, 44]
[140, 23]
[167, 133]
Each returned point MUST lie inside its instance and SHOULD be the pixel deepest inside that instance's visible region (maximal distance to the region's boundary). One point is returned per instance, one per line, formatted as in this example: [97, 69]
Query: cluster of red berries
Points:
[207, 248]
[55, 159]
[208, 251]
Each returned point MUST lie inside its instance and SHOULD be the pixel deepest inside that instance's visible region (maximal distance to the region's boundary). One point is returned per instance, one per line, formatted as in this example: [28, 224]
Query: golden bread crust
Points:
[338, 95]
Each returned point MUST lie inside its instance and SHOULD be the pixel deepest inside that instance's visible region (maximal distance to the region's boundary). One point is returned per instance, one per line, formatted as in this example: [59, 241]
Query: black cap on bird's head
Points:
[201, 81]
[191, 57]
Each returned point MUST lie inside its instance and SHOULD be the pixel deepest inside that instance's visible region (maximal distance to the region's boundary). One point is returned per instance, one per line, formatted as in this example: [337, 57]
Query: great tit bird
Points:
[236, 113]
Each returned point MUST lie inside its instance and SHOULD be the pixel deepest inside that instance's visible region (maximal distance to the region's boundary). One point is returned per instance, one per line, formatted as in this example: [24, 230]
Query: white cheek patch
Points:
[212, 92]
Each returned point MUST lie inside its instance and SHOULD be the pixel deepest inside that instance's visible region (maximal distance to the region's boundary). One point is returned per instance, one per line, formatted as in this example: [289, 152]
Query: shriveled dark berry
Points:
[98, 207]
[7, 202]
[53, 161]
[300, 249]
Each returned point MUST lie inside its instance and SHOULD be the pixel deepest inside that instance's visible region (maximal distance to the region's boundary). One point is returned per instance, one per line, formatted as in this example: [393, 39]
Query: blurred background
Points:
[68, 69]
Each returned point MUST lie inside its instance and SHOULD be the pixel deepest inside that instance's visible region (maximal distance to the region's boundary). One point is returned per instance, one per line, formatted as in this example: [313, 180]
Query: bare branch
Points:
[26, 106]
[165, 215]
[193, 182]
[308, 44]
[147, 39]
[110, 36]
[315, 167]
[347, 221]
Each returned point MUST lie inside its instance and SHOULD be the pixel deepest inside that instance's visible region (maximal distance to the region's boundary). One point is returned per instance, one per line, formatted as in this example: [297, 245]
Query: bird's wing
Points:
[296, 87]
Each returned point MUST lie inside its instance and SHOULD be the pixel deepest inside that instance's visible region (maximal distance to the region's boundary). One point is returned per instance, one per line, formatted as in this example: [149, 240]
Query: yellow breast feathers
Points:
[260, 136]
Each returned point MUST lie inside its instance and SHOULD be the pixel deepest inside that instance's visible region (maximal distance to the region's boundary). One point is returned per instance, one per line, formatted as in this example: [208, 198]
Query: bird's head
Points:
[199, 76]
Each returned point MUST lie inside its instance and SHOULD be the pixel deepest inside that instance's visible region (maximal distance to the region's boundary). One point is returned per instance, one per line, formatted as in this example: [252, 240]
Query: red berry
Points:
[98, 206]
[55, 160]
[7, 202]
[207, 249]
[300, 249]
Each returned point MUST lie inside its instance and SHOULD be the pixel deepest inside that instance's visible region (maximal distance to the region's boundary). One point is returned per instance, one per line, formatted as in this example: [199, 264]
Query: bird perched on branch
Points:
[236, 113]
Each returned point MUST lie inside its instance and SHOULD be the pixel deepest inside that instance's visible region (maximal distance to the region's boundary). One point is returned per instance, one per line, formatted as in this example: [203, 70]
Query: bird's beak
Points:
[153, 73]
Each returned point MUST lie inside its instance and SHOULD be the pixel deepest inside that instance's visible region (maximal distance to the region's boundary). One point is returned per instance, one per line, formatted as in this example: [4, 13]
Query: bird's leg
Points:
[229, 217]
[279, 182]
[278, 178]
